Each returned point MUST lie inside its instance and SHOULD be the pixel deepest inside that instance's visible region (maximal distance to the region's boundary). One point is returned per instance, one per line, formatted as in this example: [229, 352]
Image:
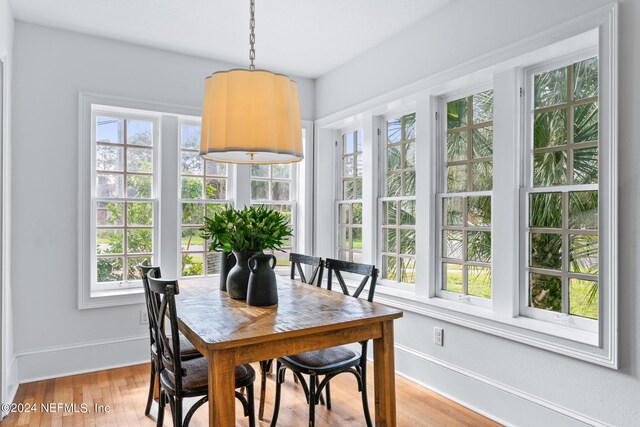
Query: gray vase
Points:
[263, 286]
[227, 261]
[238, 278]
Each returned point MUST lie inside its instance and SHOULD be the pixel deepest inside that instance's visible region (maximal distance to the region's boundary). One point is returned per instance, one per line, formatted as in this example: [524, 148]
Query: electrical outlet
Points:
[144, 317]
[438, 336]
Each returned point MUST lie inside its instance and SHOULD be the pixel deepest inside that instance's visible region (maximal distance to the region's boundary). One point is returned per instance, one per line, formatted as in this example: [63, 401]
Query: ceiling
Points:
[300, 37]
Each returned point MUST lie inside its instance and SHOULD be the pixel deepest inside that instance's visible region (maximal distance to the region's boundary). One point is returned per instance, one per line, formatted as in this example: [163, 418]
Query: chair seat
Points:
[322, 361]
[187, 350]
[196, 375]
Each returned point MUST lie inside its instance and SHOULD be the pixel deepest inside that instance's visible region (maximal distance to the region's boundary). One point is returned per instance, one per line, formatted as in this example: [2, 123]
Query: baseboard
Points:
[494, 400]
[11, 385]
[62, 361]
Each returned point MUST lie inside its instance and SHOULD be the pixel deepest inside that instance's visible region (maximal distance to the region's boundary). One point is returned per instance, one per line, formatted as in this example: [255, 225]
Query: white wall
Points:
[512, 382]
[52, 337]
[8, 382]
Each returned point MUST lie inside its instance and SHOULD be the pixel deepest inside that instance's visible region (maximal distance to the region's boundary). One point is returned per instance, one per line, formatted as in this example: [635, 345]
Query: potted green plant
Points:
[245, 232]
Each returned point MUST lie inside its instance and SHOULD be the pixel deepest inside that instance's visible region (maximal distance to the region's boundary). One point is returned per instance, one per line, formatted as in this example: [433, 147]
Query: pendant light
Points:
[251, 116]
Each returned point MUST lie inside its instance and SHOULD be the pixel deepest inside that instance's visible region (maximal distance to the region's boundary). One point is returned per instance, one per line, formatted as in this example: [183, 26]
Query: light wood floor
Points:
[125, 391]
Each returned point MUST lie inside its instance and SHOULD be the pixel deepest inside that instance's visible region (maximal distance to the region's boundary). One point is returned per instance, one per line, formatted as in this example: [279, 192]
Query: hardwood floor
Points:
[125, 391]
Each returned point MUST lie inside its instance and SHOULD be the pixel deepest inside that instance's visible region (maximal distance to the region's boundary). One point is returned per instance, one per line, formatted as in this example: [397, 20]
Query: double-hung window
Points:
[124, 207]
[349, 204]
[397, 206]
[465, 201]
[204, 188]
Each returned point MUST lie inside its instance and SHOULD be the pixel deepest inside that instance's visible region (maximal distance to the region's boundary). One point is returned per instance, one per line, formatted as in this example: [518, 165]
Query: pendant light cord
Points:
[252, 35]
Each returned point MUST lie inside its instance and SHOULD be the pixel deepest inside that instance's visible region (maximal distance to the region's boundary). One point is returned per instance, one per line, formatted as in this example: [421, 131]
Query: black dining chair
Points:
[187, 350]
[180, 378]
[297, 263]
[333, 361]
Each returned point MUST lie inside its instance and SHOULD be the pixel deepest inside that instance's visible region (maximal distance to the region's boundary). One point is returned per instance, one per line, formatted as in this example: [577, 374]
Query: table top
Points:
[219, 322]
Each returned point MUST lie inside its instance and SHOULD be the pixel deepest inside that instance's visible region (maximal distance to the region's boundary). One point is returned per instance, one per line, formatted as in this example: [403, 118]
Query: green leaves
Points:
[253, 228]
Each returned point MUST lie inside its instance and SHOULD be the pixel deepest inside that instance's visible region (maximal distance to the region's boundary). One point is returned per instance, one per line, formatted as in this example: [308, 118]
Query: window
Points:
[465, 204]
[350, 198]
[562, 192]
[124, 204]
[274, 186]
[203, 190]
[398, 204]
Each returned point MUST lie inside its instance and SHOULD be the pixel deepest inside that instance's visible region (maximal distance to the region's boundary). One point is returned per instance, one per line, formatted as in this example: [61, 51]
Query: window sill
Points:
[112, 298]
[554, 337]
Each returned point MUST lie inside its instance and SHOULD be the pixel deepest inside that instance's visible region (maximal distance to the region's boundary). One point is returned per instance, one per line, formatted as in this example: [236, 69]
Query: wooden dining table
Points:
[229, 332]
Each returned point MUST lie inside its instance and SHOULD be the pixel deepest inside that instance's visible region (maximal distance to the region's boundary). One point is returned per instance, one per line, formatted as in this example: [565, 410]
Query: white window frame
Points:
[504, 67]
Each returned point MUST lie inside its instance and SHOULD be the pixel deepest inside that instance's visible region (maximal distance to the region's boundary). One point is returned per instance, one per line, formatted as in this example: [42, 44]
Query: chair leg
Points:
[312, 401]
[276, 404]
[252, 409]
[263, 387]
[177, 413]
[317, 384]
[161, 405]
[328, 396]
[365, 402]
[152, 384]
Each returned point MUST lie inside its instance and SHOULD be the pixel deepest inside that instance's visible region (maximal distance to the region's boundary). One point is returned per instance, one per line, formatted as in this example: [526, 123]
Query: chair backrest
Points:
[163, 304]
[297, 260]
[144, 269]
[338, 267]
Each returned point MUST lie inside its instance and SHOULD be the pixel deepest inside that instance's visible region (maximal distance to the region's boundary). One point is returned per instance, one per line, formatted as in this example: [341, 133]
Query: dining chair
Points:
[180, 378]
[297, 261]
[187, 350]
[332, 361]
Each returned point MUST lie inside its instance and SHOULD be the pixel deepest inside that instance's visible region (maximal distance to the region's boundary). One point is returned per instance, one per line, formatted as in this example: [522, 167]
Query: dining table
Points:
[229, 332]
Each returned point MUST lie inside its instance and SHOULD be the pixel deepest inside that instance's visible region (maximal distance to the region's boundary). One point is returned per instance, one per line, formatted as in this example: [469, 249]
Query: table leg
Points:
[384, 376]
[222, 388]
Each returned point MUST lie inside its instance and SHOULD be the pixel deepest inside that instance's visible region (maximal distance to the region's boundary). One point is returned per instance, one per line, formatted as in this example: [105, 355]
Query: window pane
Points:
[356, 212]
[110, 269]
[259, 190]
[139, 187]
[409, 183]
[482, 176]
[483, 107]
[110, 213]
[343, 237]
[215, 168]
[358, 189]
[389, 210]
[389, 267]
[585, 122]
[408, 242]
[482, 142]
[139, 241]
[545, 210]
[349, 167]
[192, 240]
[109, 129]
[359, 165]
[478, 211]
[280, 190]
[190, 137]
[140, 160]
[457, 113]
[348, 189]
[347, 141]
[260, 171]
[550, 88]
[452, 277]
[192, 265]
[410, 155]
[409, 126]
[191, 163]
[457, 178]
[479, 246]
[215, 188]
[546, 250]
[389, 237]
[356, 238]
[408, 270]
[191, 188]
[585, 77]
[109, 158]
[193, 213]
[394, 184]
[546, 291]
[585, 166]
[452, 244]
[456, 146]
[583, 298]
[452, 211]
[583, 210]
[110, 241]
[215, 208]
[281, 171]
[132, 267]
[139, 213]
[479, 281]
[393, 158]
[343, 216]
[109, 185]
[550, 169]
[359, 141]
[550, 129]
[139, 132]
[394, 132]
[407, 212]
[583, 254]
